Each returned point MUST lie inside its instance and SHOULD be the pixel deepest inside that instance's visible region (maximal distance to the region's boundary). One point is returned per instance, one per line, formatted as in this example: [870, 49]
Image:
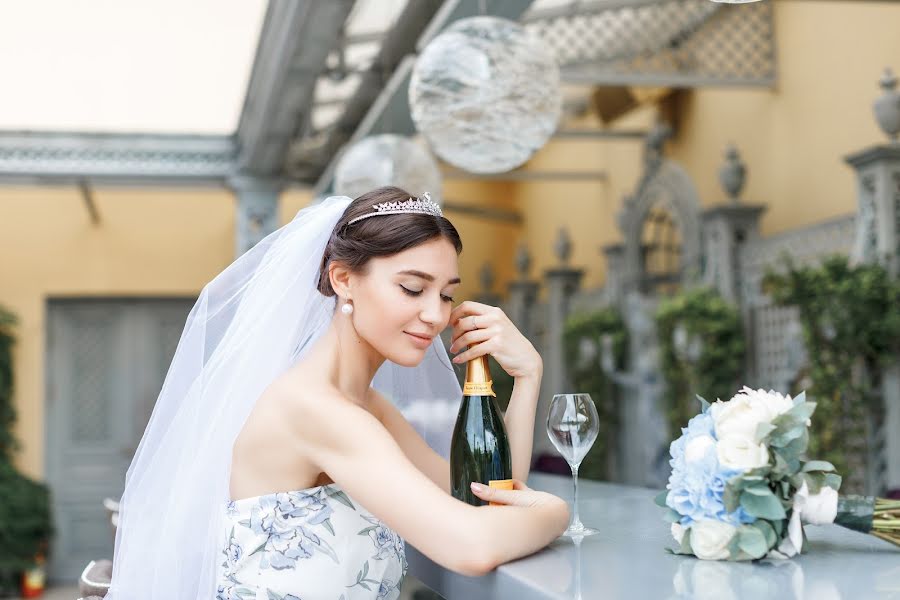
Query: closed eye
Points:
[410, 292]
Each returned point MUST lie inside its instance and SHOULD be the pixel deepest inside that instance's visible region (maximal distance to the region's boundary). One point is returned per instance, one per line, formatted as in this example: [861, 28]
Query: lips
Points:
[422, 341]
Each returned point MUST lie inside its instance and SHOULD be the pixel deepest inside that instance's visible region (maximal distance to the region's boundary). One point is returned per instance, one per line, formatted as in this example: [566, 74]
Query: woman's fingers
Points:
[468, 308]
[520, 495]
[469, 338]
[475, 351]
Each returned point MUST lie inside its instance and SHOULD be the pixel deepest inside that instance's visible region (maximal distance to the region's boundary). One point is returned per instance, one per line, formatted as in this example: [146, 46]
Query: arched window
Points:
[661, 249]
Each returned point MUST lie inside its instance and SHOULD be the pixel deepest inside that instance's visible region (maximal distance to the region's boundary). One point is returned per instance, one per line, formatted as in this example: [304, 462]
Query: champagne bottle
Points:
[479, 448]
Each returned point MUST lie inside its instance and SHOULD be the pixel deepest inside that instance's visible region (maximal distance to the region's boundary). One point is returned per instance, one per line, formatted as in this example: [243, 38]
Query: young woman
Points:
[289, 457]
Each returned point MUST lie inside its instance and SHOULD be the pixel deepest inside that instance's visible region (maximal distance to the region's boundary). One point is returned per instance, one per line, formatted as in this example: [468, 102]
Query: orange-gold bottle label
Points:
[479, 388]
[500, 484]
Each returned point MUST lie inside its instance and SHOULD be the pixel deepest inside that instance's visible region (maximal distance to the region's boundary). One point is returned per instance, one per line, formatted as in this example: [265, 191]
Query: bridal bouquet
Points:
[741, 488]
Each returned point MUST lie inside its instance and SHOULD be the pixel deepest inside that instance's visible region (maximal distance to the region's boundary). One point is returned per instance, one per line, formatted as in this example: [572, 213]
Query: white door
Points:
[106, 362]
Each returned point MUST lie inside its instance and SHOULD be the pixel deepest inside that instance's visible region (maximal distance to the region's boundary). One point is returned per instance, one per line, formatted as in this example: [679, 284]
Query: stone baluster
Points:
[486, 278]
[614, 286]
[878, 240]
[726, 227]
[562, 282]
[522, 296]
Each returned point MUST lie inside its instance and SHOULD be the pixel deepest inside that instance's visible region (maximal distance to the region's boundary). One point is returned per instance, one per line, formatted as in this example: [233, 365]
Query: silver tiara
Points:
[422, 205]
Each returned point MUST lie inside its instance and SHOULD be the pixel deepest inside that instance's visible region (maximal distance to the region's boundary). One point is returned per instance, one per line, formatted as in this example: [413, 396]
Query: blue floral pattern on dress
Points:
[295, 545]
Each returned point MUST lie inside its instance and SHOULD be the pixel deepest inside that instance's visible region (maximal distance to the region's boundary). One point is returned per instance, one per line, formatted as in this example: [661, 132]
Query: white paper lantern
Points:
[387, 160]
[485, 94]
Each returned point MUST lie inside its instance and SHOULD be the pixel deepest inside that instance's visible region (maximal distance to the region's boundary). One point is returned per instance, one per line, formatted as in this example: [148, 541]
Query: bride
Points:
[301, 433]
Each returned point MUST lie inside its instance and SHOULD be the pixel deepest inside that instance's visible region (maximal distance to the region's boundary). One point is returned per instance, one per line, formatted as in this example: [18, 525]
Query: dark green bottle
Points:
[479, 449]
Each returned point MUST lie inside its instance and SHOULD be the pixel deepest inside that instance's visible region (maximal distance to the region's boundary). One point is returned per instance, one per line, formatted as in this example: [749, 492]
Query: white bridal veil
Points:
[251, 322]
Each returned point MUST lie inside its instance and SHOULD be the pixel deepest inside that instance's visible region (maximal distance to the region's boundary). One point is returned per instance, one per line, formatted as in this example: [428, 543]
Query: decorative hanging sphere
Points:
[387, 159]
[485, 94]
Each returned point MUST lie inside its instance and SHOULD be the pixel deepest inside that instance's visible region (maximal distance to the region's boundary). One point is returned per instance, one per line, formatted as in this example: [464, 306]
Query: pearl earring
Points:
[347, 308]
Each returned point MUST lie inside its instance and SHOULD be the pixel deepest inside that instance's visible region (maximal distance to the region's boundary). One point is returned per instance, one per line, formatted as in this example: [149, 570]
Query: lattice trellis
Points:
[686, 42]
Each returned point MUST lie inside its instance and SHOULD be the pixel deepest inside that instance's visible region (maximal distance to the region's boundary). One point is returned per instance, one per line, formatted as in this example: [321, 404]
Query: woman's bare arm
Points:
[519, 420]
[411, 443]
[353, 448]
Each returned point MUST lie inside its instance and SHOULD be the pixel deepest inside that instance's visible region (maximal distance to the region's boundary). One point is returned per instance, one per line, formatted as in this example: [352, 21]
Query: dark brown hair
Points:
[355, 245]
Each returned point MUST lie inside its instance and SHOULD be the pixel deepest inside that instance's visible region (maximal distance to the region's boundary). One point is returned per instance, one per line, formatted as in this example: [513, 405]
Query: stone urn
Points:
[733, 174]
[887, 107]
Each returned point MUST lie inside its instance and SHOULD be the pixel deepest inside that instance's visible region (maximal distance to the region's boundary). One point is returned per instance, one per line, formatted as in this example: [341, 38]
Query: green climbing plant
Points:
[583, 342]
[708, 359]
[25, 519]
[850, 317]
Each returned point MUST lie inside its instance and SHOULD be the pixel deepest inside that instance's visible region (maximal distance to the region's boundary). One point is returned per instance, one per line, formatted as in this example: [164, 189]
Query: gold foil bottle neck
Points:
[478, 378]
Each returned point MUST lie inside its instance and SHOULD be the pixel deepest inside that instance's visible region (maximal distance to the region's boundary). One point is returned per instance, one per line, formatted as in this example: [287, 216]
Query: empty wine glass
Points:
[573, 425]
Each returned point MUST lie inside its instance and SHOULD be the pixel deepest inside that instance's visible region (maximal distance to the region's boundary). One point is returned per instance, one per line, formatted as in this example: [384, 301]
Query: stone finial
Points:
[887, 107]
[563, 245]
[523, 261]
[733, 174]
[486, 276]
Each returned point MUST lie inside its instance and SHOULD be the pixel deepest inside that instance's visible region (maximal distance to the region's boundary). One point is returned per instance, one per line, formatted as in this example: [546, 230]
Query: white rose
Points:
[775, 403]
[710, 539]
[816, 509]
[746, 410]
[697, 447]
[678, 532]
[741, 452]
[738, 416]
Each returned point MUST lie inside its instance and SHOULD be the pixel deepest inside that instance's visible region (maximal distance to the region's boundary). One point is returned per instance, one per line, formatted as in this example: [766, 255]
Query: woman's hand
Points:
[487, 330]
[520, 495]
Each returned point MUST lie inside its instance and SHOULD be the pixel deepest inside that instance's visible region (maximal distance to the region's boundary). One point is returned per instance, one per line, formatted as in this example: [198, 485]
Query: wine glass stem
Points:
[576, 522]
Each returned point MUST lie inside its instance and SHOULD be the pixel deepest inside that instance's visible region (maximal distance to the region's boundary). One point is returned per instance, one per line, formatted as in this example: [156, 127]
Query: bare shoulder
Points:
[315, 407]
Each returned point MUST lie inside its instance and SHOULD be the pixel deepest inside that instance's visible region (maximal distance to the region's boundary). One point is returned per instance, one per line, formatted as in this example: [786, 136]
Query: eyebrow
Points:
[426, 276]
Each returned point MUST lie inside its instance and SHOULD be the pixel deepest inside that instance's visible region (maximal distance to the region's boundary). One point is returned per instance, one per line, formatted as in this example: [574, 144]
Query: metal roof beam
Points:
[296, 38]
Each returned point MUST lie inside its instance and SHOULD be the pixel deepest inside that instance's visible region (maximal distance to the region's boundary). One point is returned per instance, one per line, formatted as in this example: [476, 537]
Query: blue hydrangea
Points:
[696, 489]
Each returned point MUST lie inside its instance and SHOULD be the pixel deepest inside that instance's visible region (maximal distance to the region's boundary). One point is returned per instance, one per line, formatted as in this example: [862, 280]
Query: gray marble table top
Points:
[627, 560]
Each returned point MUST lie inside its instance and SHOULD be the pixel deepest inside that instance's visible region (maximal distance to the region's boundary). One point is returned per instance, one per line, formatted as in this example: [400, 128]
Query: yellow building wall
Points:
[150, 243]
[830, 56]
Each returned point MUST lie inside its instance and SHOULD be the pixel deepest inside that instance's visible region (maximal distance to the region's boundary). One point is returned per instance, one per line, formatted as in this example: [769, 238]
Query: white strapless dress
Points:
[313, 544]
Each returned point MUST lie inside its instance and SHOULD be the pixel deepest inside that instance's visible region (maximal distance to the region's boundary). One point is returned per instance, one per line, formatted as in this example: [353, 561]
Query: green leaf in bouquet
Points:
[802, 411]
[785, 432]
[752, 541]
[833, 480]
[685, 543]
[731, 497]
[660, 498]
[758, 490]
[817, 465]
[778, 526]
[768, 532]
[798, 446]
[782, 468]
[762, 431]
[704, 403]
[762, 506]
[791, 459]
[785, 487]
[672, 516]
[814, 481]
